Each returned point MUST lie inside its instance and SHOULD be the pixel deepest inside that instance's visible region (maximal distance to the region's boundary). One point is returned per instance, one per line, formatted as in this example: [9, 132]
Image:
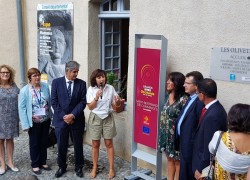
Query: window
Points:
[114, 15]
[115, 5]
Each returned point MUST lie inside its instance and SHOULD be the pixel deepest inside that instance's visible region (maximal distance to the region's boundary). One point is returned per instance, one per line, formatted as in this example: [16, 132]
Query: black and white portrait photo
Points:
[55, 39]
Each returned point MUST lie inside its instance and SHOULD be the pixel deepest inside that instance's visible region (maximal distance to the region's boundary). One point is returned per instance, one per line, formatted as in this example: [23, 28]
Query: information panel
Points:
[146, 96]
[54, 38]
[230, 64]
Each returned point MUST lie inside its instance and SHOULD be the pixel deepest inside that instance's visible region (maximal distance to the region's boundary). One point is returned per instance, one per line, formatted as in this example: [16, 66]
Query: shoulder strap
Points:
[218, 143]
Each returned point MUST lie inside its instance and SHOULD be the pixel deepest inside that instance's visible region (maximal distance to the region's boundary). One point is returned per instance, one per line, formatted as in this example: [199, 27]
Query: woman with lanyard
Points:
[34, 113]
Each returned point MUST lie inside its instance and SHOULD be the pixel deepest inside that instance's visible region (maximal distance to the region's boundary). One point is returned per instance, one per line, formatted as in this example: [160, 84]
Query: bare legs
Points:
[173, 169]
[2, 155]
[111, 154]
[9, 149]
[95, 155]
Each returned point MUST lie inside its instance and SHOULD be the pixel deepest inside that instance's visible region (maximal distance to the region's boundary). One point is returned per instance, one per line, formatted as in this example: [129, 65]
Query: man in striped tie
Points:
[212, 119]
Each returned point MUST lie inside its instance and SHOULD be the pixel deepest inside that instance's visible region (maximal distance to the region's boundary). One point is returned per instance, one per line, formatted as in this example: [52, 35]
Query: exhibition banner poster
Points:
[55, 39]
[146, 96]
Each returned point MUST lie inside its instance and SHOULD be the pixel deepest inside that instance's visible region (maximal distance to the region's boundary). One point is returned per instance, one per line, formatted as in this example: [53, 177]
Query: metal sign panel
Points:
[230, 64]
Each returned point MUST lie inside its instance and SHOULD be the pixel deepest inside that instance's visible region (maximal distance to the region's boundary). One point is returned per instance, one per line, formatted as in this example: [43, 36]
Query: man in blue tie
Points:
[68, 99]
[187, 123]
[213, 118]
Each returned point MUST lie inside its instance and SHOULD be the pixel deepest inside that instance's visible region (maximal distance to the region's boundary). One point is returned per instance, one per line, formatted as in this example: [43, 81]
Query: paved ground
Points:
[22, 161]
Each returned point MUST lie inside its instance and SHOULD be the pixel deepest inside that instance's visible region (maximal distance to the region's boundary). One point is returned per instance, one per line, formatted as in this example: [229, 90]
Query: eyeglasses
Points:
[5, 73]
[188, 83]
[36, 75]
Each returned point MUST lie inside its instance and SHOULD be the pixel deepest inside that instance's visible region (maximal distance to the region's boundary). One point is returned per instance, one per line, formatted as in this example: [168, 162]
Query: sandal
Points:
[93, 173]
[111, 174]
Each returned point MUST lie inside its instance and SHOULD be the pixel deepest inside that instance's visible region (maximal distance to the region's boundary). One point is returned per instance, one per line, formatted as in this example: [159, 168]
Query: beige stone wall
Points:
[192, 29]
[9, 36]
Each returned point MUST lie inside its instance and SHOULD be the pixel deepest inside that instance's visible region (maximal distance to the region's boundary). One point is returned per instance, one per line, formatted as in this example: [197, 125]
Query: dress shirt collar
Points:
[212, 102]
[68, 80]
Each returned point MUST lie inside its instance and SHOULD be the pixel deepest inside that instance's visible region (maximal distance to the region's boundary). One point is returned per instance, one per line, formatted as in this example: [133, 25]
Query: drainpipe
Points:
[20, 41]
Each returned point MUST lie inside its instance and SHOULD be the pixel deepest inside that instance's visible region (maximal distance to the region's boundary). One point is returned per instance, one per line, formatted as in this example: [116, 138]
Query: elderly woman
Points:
[176, 99]
[34, 113]
[9, 121]
[233, 153]
[100, 99]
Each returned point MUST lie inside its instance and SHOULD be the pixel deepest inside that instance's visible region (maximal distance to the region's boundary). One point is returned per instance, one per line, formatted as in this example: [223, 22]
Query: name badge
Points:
[40, 112]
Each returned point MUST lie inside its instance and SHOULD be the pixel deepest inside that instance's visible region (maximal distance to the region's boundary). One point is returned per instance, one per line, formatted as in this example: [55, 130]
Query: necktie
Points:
[69, 89]
[202, 114]
[183, 109]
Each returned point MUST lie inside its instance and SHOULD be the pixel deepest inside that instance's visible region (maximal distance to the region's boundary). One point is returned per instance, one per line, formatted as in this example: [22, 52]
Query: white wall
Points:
[192, 29]
[9, 53]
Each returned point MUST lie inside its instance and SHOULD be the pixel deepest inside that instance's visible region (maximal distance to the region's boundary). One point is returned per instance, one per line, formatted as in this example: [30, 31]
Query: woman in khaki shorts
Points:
[100, 99]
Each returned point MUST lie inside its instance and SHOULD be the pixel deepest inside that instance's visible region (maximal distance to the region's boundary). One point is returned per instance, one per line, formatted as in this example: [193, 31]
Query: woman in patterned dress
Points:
[176, 99]
[233, 154]
[9, 121]
[35, 113]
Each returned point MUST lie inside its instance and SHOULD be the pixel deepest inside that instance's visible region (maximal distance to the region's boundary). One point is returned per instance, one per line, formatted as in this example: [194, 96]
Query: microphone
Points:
[101, 87]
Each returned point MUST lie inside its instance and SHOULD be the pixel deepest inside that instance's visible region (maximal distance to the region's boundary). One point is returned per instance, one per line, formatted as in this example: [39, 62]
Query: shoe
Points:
[37, 172]
[46, 168]
[93, 173]
[111, 174]
[14, 169]
[79, 172]
[60, 172]
[2, 171]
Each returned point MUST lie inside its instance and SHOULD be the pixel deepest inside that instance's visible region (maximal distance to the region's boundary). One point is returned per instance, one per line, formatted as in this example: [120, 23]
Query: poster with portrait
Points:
[54, 38]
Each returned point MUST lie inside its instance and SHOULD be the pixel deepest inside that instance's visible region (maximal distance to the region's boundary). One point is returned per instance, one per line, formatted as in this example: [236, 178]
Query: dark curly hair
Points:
[178, 79]
[96, 73]
[239, 118]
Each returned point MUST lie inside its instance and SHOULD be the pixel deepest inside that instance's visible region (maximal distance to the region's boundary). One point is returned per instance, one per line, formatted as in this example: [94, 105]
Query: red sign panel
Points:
[146, 97]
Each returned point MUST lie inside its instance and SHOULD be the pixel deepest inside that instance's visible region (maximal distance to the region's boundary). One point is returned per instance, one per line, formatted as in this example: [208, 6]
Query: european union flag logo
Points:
[145, 129]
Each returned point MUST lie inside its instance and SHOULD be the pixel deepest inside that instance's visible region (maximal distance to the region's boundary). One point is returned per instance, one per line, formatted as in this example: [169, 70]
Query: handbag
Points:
[208, 172]
[51, 137]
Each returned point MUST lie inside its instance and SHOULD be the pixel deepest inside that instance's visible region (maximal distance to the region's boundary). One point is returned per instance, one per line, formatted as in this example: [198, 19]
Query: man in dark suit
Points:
[68, 99]
[212, 119]
[187, 123]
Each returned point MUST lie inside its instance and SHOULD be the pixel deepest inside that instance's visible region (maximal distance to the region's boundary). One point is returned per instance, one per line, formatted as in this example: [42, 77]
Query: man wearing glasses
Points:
[186, 125]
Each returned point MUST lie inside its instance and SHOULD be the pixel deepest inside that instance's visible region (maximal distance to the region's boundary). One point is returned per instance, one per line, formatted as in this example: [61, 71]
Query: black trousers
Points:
[38, 137]
[186, 169]
[62, 135]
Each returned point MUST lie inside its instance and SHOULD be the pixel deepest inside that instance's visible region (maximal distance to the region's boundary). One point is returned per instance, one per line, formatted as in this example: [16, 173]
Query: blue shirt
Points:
[193, 97]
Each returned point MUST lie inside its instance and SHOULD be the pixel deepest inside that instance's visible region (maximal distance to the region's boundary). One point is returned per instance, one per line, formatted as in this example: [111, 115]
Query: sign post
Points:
[149, 95]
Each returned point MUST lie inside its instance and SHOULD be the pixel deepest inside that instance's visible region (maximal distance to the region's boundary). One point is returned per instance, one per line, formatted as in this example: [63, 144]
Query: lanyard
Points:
[38, 100]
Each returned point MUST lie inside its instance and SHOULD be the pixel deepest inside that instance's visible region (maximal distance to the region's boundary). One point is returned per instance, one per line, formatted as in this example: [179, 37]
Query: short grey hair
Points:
[72, 65]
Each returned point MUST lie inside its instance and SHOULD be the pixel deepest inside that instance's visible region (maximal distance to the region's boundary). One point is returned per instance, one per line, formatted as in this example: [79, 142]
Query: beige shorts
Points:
[98, 127]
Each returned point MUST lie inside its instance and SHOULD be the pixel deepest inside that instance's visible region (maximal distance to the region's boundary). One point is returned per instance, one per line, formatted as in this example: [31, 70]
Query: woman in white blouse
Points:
[233, 154]
[100, 99]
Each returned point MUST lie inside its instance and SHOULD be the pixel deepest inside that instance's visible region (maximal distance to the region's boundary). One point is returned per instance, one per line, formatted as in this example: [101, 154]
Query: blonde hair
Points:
[12, 74]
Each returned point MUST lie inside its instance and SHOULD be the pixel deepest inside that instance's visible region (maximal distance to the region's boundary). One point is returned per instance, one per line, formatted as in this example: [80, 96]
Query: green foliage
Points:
[111, 78]
[120, 85]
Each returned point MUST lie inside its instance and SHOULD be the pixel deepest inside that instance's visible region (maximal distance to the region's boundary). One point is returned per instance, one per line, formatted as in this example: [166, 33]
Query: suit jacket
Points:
[187, 129]
[62, 105]
[213, 120]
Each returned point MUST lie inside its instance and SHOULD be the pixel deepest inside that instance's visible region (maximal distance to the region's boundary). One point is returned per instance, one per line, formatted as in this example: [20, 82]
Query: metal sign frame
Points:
[135, 152]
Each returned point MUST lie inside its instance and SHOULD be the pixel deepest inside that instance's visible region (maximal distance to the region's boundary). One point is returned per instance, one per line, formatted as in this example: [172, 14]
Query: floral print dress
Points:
[169, 115]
